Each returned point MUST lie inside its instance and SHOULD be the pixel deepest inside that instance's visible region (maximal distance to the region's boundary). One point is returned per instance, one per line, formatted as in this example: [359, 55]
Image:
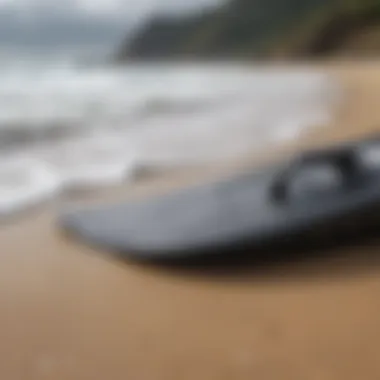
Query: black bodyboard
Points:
[316, 196]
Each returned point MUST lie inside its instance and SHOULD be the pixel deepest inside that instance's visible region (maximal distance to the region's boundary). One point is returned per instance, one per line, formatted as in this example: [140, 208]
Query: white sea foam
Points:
[25, 182]
[63, 127]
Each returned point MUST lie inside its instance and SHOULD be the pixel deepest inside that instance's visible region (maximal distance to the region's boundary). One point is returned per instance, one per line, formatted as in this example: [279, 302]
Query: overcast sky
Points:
[54, 23]
[106, 8]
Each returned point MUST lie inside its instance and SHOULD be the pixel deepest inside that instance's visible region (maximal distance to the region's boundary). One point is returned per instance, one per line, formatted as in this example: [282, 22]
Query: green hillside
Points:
[263, 28]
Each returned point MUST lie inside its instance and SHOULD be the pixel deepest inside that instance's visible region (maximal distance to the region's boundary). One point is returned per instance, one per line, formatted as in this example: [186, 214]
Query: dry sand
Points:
[68, 312]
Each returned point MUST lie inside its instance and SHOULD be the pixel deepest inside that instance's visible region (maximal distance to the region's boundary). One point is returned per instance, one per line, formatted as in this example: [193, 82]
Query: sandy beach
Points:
[69, 312]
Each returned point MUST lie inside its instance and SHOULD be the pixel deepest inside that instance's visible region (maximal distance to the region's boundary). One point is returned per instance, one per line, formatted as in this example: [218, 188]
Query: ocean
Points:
[66, 125]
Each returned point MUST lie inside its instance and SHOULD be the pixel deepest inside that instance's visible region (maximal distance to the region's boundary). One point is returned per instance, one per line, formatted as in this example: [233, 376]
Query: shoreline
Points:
[70, 312]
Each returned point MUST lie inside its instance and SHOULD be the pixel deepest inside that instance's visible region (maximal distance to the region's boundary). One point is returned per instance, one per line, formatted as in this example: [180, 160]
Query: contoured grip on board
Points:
[344, 162]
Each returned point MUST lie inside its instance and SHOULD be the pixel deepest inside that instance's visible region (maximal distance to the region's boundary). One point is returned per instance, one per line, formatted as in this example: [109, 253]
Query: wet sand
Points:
[69, 312]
